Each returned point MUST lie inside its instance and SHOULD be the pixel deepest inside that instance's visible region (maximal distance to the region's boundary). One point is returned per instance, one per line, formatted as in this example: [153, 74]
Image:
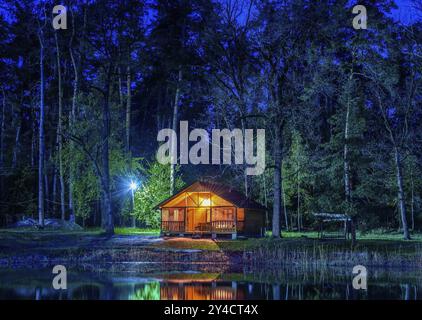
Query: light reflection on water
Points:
[291, 285]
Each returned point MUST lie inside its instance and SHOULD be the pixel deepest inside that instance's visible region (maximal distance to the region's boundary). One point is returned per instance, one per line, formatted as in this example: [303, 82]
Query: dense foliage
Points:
[342, 108]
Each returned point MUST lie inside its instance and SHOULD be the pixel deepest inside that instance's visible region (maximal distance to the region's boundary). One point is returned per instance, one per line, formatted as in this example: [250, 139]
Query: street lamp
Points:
[133, 186]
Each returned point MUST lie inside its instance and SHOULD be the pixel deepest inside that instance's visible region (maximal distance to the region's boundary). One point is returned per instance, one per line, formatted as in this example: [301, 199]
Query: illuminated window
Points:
[165, 215]
[204, 199]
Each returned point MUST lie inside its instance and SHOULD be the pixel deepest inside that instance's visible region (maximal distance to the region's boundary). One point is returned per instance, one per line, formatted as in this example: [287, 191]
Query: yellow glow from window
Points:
[206, 203]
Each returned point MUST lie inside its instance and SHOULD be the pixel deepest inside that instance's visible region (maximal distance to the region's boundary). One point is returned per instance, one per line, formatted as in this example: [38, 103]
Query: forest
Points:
[81, 108]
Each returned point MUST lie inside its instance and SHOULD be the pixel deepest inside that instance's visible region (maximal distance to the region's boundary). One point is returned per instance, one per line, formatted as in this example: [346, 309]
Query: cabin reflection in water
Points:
[156, 289]
[221, 290]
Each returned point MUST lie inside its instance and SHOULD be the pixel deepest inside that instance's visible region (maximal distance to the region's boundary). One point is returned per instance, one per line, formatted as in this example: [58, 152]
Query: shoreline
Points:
[36, 249]
[149, 258]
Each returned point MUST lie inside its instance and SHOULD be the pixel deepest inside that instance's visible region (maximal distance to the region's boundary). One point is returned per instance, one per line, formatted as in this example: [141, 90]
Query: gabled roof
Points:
[227, 193]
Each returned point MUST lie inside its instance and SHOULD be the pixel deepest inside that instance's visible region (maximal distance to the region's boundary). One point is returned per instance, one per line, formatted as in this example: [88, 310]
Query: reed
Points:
[319, 254]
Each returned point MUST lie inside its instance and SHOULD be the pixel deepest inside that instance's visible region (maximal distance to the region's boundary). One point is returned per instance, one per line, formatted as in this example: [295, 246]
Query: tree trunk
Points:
[61, 177]
[71, 123]
[265, 198]
[346, 165]
[105, 134]
[246, 181]
[71, 209]
[54, 191]
[119, 76]
[33, 145]
[60, 130]
[72, 118]
[46, 191]
[103, 212]
[286, 219]
[400, 194]
[245, 176]
[298, 198]
[413, 201]
[16, 148]
[41, 145]
[346, 169]
[174, 127]
[128, 140]
[2, 127]
[128, 112]
[277, 182]
[108, 214]
[2, 132]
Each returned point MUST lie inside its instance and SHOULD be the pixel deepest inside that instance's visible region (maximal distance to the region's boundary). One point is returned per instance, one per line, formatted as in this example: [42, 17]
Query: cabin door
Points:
[201, 219]
[190, 220]
[196, 219]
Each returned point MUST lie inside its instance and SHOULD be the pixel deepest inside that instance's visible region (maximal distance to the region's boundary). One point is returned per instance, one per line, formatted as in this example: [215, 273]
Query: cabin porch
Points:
[202, 220]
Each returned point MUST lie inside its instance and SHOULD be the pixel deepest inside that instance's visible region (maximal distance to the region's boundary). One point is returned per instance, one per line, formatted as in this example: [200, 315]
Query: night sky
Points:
[404, 13]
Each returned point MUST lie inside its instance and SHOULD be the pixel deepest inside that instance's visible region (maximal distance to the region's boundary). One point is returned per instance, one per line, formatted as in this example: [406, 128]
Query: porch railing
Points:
[218, 226]
[173, 226]
[224, 226]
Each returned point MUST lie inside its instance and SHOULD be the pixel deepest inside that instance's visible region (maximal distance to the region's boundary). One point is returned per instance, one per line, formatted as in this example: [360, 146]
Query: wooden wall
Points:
[254, 222]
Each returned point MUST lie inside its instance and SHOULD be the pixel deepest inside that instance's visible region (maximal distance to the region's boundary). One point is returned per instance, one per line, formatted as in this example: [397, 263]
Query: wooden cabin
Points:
[197, 290]
[211, 209]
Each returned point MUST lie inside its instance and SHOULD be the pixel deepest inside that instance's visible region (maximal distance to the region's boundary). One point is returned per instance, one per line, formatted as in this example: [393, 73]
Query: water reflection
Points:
[206, 286]
[211, 290]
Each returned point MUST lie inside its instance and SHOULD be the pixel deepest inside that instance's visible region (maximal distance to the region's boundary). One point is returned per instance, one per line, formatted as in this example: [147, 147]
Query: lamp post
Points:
[133, 186]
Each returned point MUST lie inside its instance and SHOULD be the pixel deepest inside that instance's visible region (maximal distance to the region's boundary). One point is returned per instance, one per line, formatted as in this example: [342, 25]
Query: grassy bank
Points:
[335, 253]
[136, 231]
[134, 245]
[380, 234]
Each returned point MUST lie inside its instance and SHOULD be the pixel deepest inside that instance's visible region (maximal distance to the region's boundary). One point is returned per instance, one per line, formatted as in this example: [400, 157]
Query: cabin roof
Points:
[229, 194]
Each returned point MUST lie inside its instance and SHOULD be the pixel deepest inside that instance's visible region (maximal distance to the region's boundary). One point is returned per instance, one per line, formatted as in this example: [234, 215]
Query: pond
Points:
[286, 284]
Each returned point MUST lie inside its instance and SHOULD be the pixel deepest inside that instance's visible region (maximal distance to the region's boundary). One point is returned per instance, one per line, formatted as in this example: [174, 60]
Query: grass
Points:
[30, 236]
[302, 248]
[380, 234]
[376, 240]
[218, 244]
[136, 231]
[366, 252]
[32, 231]
[187, 244]
[375, 235]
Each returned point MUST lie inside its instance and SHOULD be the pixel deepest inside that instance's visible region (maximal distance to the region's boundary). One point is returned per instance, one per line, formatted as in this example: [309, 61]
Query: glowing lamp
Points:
[133, 186]
[206, 202]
